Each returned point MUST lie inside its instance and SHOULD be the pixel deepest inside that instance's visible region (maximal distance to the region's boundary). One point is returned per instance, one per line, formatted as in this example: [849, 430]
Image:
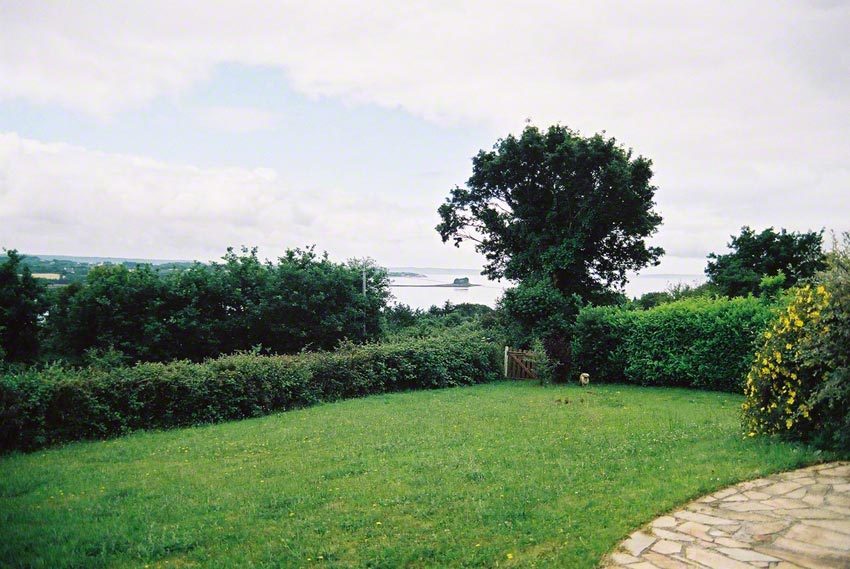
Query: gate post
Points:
[506, 360]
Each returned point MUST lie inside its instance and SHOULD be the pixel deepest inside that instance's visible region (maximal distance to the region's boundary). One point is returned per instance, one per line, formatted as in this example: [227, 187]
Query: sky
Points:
[173, 130]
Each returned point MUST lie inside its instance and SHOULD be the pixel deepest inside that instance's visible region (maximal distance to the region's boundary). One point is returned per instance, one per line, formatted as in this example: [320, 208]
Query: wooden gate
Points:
[519, 364]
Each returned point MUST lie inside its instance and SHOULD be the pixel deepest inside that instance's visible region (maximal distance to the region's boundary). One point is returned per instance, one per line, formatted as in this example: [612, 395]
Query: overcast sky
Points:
[173, 130]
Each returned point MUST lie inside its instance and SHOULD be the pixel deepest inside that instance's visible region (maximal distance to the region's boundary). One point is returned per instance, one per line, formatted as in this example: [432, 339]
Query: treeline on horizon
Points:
[301, 301]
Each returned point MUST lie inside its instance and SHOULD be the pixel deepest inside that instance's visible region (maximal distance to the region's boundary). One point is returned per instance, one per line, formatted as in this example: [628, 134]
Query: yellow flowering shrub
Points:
[783, 376]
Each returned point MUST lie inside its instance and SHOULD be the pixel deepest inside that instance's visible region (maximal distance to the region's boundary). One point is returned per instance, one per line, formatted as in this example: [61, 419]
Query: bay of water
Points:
[490, 291]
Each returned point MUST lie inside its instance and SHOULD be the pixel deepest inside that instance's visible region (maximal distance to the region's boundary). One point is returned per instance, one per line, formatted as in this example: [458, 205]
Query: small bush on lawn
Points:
[39, 408]
[799, 383]
[698, 342]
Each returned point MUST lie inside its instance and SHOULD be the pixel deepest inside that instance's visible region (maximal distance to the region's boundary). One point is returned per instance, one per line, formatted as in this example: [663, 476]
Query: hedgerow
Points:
[53, 405]
[699, 342]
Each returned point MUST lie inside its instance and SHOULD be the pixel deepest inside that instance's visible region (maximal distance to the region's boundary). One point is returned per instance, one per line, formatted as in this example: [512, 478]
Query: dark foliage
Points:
[302, 301]
[21, 306]
[757, 255]
[53, 405]
[557, 206]
[401, 321]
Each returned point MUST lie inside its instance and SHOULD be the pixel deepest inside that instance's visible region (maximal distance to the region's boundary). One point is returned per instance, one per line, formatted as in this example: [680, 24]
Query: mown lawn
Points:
[506, 474]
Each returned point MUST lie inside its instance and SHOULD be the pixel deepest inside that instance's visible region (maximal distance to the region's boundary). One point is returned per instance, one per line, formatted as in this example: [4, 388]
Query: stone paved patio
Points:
[794, 520]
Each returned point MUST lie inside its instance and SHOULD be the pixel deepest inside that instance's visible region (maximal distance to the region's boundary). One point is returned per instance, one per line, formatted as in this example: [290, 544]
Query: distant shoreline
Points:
[451, 285]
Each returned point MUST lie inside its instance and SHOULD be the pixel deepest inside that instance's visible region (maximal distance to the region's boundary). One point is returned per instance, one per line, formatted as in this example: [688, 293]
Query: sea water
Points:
[489, 292]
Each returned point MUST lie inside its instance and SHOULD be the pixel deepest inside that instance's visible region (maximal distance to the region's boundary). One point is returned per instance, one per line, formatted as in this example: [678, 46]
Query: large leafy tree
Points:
[557, 207]
[766, 254]
[21, 305]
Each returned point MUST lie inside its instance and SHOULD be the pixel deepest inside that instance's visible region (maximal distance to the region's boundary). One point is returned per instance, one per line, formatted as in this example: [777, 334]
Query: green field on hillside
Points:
[505, 474]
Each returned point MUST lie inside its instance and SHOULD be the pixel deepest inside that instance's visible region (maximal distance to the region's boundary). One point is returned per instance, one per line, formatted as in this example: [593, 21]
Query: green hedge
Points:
[700, 343]
[54, 405]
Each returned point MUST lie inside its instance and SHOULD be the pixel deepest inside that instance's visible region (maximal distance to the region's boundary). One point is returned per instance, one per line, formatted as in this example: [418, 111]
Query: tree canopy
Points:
[766, 254]
[304, 300]
[559, 207]
[21, 305]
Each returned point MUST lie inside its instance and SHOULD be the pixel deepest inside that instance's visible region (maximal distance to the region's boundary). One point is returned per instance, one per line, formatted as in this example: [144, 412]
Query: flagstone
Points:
[785, 504]
[780, 488]
[822, 513]
[695, 529]
[723, 493]
[752, 484]
[714, 560]
[808, 556]
[624, 558]
[745, 554]
[637, 542]
[673, 535]
[729, 542]
[746, 506]
[747, 516]
[703, 518]
[723, 531]
[817, 536]
[813, 499]
[756, 495]
[838, 500]
[831, 480]
[807, 481]
[644, 565]
[842, 526]
[664, 522]
[841, 470]
[766, 528]
[666, 547]
[664, 561]
[797, 520]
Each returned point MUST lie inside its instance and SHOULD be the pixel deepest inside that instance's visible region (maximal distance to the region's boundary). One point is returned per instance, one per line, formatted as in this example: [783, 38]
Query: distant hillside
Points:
[65, 269]
[113, 260]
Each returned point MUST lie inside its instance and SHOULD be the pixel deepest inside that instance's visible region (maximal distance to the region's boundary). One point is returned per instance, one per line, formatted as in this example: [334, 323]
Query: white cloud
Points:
[743, 107]
[57, 198]
[236, 119]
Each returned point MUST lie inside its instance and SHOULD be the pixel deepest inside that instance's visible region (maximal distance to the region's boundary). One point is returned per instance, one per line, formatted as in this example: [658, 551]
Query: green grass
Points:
[505, 474]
